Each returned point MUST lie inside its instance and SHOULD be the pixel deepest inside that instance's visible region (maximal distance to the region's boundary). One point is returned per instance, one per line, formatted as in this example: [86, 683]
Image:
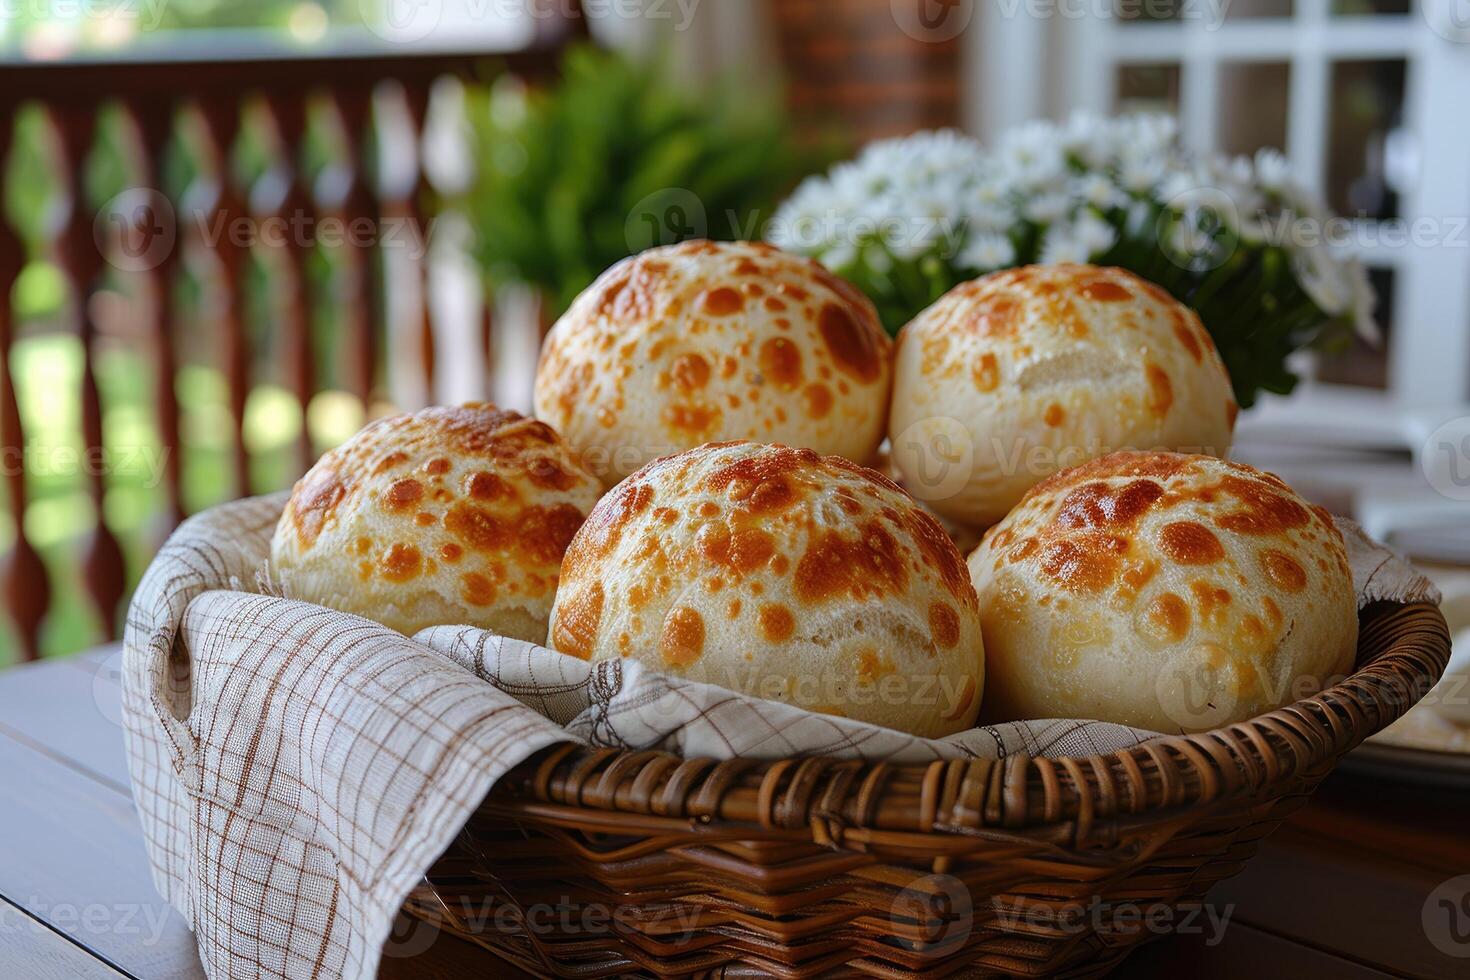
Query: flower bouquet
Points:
[1235, 238]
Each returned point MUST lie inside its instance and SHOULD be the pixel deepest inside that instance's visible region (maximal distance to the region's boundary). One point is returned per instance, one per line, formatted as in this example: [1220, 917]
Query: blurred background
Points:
[233, 231]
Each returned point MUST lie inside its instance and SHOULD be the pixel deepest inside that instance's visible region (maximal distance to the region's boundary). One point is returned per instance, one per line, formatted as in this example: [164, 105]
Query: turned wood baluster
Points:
[351, 197]
[281, 194]
[411, 208]
[153, 121]
[82, 261]
[213, 204]
[27, 589]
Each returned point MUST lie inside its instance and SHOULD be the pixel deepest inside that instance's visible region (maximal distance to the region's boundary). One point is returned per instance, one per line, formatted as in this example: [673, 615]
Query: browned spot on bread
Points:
[451, 552]
[818, 399]
[1104, 291]
[760, 482]
[630, 290]
[723, 301]
[315, 501]
[400, 563]
[550, 475]
[1160, 390]
[1184, 331]
[1190, 543]
[1087, 565]
[780, 362]
[436, 467]
[1124, 463]
[487, 486]
[476, 589]
[855, 347]
[744, 551]
[393, 459]
[996, 318]
[681, 641]
[1263, 510]
[944, 625]
[1055, 415]
[1103, 507]
[691, 418]
[690, 372]
[940, 554]
[873, 666]
[424, 519]
[834, 565]
[543, 533]
[1283, 571]
[403, 494]
[776, 622]
[477, 528]
[1167, 618]
[987, 372]
[578, 620]
[1209, 599]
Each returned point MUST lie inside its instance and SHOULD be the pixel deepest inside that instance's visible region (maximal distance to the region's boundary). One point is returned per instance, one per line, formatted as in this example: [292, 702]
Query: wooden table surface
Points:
[1353, 886]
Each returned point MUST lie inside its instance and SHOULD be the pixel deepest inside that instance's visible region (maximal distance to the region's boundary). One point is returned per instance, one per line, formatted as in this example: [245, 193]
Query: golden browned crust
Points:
[455, 511]
[745, 565]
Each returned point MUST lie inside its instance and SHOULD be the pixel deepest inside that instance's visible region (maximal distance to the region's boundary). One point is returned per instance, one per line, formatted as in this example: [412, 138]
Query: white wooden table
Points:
[1337, 891]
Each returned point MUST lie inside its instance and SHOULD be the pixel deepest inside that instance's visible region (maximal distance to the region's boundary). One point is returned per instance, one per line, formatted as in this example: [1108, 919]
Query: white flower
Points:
[1138, 173]
[987, 251]
[1096, 189]
[1094, 234]
[1060, 245]
[1273, 170]
[1324, 279]
[839, 256]
[1046, 208]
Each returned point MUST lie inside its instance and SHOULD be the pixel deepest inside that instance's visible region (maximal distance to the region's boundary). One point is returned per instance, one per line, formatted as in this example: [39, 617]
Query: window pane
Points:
[1352, 8]
[1148, 88]
[1366, 138]
[1360, 364]
[1253, 106]
[1241, 9]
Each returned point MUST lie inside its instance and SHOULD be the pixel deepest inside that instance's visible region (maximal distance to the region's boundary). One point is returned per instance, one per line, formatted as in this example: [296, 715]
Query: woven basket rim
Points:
[1402, 651]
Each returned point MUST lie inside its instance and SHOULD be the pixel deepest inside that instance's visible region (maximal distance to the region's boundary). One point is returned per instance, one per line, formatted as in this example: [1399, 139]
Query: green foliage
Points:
[616, 158]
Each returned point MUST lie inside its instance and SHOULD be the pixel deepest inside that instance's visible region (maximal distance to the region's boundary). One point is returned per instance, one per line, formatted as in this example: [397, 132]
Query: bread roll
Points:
[705, 341]
[1010, 378]
[1165, 591]
[781, 574]
[449, 515]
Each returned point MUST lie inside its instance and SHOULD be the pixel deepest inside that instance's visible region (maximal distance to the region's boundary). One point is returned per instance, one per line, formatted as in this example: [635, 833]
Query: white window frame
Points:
[1075, 60]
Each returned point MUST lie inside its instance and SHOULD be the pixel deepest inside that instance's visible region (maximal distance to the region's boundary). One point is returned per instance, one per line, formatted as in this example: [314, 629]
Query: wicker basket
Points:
[599, 863]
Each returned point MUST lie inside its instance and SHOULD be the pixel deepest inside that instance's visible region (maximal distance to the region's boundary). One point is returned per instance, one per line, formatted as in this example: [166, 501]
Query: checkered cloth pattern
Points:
[298, 769]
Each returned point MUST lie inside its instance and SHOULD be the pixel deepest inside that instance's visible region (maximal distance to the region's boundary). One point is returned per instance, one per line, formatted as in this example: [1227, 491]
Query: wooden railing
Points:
[198, 110]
